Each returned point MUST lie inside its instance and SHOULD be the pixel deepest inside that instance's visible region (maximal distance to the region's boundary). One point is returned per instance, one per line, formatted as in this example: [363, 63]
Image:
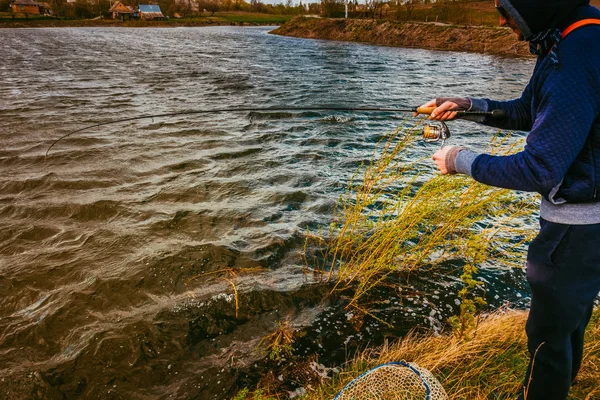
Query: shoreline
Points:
[422, 35]
[418, 35]
[126, 24]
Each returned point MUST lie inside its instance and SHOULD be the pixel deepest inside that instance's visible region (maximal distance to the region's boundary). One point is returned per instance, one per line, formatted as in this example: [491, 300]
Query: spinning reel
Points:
[436, 131]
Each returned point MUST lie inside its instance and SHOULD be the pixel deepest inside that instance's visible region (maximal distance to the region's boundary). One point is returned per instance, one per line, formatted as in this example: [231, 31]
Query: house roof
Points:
[120, 8]
[25, 3]
[150, 8]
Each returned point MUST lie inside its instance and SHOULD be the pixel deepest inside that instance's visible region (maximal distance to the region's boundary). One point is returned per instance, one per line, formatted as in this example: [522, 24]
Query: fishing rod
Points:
[431, 133]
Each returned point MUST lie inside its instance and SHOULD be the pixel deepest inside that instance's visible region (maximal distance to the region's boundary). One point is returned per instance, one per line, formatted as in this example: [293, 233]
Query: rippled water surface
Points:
[99, 240]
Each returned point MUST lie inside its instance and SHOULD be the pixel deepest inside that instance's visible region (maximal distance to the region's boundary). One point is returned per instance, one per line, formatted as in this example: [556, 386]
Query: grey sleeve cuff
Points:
[478, 105]
[451, 158]
[464, 161]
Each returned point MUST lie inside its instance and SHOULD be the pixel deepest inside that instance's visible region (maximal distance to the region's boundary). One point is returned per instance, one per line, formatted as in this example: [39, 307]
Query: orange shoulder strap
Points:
[572, 27]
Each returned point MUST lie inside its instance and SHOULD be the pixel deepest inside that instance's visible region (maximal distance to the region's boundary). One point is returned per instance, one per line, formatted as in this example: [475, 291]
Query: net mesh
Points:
[394, 381]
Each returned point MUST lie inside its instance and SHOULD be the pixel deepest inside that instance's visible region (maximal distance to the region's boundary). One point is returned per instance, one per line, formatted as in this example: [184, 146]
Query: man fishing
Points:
[560, 107]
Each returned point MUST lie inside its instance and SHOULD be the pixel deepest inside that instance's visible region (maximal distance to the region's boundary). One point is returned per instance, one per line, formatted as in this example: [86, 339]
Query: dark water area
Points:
[108, 244]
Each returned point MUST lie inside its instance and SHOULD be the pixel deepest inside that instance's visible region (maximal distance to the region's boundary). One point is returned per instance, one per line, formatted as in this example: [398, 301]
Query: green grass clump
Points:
[457, 14]
[219, 18]
[245, 394]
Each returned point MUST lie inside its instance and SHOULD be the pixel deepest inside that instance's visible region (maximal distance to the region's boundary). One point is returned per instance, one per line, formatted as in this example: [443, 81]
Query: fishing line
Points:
[420, 110]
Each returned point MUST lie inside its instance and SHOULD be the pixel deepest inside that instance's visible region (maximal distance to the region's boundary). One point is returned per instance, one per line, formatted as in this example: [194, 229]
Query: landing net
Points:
[394, 381]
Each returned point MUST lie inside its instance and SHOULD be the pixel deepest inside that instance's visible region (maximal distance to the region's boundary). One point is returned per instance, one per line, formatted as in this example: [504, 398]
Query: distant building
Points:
[150, 12]
[27, 7]
[120, 11]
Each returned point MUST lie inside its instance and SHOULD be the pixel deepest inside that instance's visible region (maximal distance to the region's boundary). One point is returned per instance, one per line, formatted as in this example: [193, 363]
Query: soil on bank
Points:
[435, 36]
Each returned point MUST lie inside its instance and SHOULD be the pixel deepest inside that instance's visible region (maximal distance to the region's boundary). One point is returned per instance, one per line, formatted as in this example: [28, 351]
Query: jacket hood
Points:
[535, 16]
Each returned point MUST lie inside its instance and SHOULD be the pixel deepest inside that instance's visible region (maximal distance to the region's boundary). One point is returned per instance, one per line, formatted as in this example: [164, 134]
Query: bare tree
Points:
[211, 6]
[409, 5]
[332, 8]
[375, 7]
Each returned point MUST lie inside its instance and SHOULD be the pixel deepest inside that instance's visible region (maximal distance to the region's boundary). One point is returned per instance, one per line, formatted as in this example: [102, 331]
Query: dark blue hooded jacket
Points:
[560, 107]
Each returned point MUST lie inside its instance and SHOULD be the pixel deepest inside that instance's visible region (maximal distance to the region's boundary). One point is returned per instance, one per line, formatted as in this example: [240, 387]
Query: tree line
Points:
[445, 10]
[367, 9]
[398, 9]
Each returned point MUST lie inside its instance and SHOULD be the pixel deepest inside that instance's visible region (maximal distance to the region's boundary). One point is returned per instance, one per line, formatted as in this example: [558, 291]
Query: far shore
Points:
[433, 36]
[128, 24]
[219, 19]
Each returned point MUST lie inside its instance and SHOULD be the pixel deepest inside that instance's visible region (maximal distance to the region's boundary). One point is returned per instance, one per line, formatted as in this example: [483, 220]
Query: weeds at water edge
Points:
[228, 274]
[397, 218]
[278, 344]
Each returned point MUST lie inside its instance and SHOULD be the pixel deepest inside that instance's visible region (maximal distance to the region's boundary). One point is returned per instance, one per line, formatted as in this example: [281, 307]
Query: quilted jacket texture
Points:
[560, 107]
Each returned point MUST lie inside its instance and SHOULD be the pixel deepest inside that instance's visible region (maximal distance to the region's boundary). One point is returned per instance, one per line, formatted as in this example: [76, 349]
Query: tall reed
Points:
[397, 217]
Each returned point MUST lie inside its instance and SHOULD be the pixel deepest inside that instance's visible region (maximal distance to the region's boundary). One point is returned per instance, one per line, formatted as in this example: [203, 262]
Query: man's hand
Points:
[445, 159]
[446, 107]
[443, 113]
[439, 158]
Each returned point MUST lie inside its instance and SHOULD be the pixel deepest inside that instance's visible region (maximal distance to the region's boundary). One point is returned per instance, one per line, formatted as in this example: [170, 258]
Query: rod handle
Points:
[424, 110]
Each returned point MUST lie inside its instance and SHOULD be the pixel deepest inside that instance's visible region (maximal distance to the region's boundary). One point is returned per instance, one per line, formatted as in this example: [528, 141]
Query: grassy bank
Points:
[395, 220]
[222, 18]
[457, 26]
[490, 366]
[436, 36]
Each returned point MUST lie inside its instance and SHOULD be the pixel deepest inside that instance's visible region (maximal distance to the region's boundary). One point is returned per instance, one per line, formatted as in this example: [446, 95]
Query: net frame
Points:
[417, 372]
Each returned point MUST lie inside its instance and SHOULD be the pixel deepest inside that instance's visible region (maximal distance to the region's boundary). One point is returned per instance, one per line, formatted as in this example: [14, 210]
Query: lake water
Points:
[100, 240]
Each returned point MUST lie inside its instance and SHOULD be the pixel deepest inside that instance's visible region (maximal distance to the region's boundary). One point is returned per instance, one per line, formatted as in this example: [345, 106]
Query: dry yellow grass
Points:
[490, 366]
[395, 219]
